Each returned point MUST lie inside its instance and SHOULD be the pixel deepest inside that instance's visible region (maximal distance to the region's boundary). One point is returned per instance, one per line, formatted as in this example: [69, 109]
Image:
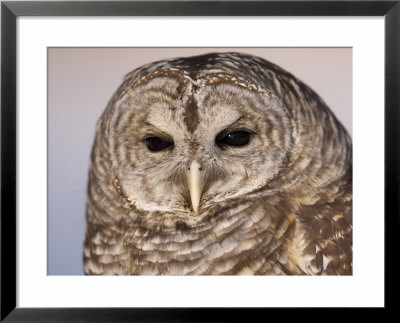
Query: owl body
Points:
[221, 164]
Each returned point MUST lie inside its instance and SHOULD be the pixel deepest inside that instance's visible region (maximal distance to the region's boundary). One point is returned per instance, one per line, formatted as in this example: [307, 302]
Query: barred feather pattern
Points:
[282, 206]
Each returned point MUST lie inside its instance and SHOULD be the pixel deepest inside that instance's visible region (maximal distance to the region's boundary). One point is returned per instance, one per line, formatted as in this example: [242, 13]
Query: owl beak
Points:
[195, 184]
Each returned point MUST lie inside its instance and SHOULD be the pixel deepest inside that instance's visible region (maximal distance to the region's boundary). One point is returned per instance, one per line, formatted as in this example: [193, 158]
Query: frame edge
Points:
[392, 147]
[8, 161]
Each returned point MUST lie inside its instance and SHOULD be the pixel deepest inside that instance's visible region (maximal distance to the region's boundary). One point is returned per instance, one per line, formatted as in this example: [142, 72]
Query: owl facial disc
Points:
[195, 184]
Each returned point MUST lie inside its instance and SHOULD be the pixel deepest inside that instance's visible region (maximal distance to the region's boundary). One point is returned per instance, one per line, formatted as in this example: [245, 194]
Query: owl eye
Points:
[234, 139]
[157, 143]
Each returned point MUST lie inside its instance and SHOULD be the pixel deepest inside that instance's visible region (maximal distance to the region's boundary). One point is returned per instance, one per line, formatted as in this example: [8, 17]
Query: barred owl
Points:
[220, 164]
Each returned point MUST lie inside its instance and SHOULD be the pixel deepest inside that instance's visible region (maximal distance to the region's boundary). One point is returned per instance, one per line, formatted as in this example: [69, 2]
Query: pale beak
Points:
[195, 184]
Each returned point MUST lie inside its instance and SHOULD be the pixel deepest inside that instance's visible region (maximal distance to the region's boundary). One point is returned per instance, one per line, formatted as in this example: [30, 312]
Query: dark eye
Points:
[157, 143]
[235, 139]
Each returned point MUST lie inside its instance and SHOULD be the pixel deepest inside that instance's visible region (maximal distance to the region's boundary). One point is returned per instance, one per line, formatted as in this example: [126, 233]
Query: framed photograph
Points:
[71, 73]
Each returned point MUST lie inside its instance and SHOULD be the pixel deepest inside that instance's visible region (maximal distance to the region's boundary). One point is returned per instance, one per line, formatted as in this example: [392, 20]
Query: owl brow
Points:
[231, 127]
[153, 131]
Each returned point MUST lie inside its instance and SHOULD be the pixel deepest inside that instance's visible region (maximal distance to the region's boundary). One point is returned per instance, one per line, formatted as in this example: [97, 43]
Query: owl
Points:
[220, 164]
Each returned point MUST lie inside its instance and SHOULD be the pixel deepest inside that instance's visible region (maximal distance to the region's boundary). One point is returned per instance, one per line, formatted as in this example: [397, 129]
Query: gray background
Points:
[82, 80]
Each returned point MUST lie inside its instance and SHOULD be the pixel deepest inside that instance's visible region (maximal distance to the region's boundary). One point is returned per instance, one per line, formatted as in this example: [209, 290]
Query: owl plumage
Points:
[221, 164]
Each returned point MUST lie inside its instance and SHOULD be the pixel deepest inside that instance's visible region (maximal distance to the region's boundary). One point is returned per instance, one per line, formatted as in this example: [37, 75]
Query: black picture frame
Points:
[11, 10]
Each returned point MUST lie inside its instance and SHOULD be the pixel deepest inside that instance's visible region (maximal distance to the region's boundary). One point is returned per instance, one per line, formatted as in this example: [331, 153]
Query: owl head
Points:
[184, 137]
